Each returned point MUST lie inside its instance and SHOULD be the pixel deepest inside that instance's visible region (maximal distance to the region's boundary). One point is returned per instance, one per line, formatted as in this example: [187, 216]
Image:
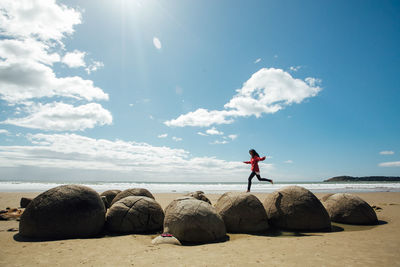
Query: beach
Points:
[346, 245]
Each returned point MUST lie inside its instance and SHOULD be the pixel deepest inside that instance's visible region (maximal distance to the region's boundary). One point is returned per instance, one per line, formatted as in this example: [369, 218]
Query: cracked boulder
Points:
[135, 214]
[242, 213]
[350, 209]
[296, 208]
[192, 220]
[131, 192]
[67, 211]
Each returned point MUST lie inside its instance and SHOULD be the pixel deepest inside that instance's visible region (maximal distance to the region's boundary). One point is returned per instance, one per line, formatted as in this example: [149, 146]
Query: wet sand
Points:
[347, 245]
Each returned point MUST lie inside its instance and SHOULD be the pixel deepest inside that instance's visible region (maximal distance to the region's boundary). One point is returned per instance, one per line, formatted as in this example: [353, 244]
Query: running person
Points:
[255, 170]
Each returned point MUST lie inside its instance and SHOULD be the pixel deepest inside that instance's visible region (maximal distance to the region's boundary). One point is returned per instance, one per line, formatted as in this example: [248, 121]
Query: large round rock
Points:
[193, 220]
[66, 211]
[135, 214]
[110, 195]
[132, 192]
[242, 213]
[351, 209]
[296, 208]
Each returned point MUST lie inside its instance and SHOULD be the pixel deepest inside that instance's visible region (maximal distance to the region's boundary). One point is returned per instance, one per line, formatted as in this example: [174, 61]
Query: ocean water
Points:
[218, 188]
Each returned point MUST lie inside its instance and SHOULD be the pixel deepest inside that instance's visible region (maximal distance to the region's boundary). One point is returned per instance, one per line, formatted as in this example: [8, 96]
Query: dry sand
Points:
[352, 246]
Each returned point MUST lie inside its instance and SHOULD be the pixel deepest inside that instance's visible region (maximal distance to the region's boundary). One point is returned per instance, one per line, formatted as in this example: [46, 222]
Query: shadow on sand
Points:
[18, 237]
[271, 232]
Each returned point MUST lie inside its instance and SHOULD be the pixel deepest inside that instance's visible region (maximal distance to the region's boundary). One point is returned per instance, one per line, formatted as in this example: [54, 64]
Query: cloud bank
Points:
[31, 43]
[141, 160]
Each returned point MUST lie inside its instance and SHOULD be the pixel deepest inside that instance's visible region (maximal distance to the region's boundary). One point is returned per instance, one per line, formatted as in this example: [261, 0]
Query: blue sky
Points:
[181, 90]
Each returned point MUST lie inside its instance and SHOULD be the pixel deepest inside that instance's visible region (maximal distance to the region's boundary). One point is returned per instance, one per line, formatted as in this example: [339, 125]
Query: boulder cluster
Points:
[75, 211]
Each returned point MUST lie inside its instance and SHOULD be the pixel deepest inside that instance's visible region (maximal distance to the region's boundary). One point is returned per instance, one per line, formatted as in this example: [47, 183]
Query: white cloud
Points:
[131, 105]
[63, 117]
[141, 160]
[232, 136]
[74, 59]
[214, 131]
[312, 81]
[201, 117]
[257, 60]
[31, 41]
[157, 43]
[202, 134]
[390, 164]
[162, 135]
[4, 131]
[22, 80]
[23, 75]
[42, 19]
[94, 66]
[29, 49]
[288, 161]
[386, 152]
[295, 68]
[267, 91]
[219, 142]
[176, 139]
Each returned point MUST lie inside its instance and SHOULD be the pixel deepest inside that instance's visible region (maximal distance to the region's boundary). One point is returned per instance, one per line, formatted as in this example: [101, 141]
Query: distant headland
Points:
[364, 179]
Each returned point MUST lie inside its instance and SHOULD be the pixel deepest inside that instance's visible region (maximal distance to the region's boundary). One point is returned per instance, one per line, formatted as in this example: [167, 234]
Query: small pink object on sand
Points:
[166, 235]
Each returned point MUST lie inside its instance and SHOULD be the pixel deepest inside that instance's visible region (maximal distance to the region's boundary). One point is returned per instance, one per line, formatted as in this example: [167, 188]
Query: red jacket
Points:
[254, 163]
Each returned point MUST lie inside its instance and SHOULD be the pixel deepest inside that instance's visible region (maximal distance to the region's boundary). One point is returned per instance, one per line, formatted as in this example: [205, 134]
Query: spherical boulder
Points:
[242, 213]
[110, 195]
[199, 195]
[192, 220]
[132, 192]
[296, 208]
[350, 209]
[135, 214]
[66, 211]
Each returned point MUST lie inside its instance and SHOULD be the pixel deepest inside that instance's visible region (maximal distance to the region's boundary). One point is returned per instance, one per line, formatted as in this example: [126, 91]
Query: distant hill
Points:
[364, 179]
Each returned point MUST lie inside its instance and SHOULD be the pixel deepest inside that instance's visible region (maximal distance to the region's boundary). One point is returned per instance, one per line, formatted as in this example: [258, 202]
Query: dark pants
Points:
[252, 174]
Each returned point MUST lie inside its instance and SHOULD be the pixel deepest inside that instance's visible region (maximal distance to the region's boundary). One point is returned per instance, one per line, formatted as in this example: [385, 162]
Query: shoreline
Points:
[211, 188]
[352, 245]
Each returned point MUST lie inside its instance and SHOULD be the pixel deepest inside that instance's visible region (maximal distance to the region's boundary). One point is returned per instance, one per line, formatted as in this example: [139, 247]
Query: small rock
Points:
[200, 196]
[24, 202]
[10, 214]
[165, 240]
[12, 230]
[110, 195]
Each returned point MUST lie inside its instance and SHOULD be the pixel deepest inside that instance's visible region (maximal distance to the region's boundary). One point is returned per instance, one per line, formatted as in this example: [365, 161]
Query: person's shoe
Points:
[272, 181]
[248, 191]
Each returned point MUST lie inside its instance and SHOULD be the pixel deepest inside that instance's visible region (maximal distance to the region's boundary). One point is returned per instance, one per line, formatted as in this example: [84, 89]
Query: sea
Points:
[211, 188]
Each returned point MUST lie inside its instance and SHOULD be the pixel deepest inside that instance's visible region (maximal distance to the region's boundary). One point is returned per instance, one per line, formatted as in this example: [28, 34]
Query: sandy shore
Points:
[349, 245]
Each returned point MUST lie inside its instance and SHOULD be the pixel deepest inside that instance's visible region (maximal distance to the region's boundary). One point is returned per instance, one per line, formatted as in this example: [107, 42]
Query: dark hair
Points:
[253, 153]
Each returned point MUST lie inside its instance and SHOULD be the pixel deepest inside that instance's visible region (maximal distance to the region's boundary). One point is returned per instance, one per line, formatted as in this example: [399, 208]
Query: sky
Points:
[179, 91]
